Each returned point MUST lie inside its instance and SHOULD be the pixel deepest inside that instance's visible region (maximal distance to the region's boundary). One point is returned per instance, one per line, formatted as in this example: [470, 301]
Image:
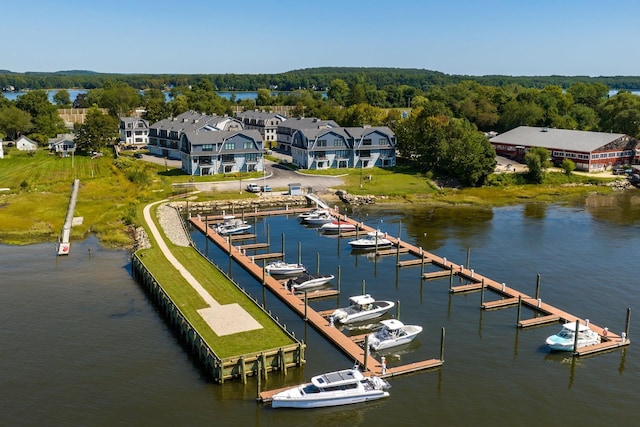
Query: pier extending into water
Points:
[64, 244]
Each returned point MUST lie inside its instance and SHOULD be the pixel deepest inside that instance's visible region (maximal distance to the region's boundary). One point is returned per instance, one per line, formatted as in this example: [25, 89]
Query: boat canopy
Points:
[332, 379]
[392, 324]
[572, 327]
[361, 299]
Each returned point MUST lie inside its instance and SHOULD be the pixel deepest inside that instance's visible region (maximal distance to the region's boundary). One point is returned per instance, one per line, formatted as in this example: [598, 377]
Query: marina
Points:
[136, 361]
[324, 320]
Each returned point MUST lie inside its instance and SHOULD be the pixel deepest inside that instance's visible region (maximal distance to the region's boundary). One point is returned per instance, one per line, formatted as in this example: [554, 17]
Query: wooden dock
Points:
[368, 362]
[510, 296]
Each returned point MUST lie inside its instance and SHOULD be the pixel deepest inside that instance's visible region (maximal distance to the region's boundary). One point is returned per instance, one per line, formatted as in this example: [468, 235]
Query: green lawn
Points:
[222, 290]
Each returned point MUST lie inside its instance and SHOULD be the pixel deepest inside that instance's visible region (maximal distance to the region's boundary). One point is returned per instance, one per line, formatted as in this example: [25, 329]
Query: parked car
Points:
[137, 155]
[618, 171]
[253, 188]
[265, 189]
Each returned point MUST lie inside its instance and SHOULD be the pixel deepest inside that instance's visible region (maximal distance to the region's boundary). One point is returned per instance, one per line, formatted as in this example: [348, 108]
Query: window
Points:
[248, 145]
[337, 143]
[321, 143]
[366, 142]
[207, 147]
[382, 141]
[228, 158]
[229, 145]
[251, 157]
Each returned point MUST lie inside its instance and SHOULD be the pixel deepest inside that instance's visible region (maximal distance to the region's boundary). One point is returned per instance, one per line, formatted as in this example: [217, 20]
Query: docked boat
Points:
[373, 240]
[318, 219]
[565, 339]
[231, 225]
[361, 307]
[333, 389]
[281, 268]
[393, 333]
[311, 213]
[337, 226]
[307, 281]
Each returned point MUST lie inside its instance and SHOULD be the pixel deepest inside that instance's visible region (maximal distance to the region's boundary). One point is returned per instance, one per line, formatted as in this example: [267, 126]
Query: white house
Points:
[1, 150]
[63, 144]
[25, 144]
[134, 131]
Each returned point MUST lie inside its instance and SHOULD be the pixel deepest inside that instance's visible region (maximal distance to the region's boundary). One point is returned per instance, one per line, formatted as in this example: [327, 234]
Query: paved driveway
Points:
[278, 177]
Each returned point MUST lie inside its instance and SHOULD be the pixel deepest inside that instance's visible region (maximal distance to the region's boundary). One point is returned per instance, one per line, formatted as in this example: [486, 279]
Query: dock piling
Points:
[538, 286]
[628, 321]
[299, 252]
[575, 339]
[519, 309]
[482, 294]
[468, 256]
[366, 351]
[318, 263]
[398, 309]
[442, 335]
[364, 287]
[283, 253]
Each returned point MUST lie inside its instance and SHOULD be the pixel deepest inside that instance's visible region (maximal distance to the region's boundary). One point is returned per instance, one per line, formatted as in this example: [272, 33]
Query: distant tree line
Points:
[438, 125]
[310, 78]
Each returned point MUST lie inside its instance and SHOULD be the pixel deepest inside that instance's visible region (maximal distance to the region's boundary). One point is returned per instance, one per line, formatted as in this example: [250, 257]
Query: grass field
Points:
[221, 289]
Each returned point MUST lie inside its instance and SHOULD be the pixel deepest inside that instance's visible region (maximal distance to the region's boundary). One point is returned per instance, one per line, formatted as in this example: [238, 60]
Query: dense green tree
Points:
[537, 160]
[155, 107]
[62, 98]
[363, 114]
[585, 117]
[338, 91]
[14, 122]
[621, 114]
[589, 94]
[264, 97]
[516, 113]
[45, 118]
[97, 131]
[568, 166]
[178, 105]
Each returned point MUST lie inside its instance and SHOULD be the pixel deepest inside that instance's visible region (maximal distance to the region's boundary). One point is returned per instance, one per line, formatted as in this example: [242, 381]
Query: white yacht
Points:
[361, 307]
[565, 339]
[337, 226]
[333, 389]
[373, 240]
[231, 225]
[281, 268]
[393, 333]
[308, 281]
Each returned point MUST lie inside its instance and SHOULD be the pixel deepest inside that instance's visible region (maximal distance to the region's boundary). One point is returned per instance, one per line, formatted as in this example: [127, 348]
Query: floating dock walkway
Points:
[371, 365]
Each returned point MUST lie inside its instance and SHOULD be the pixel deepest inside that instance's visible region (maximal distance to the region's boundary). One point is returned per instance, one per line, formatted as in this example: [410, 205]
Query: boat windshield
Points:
[565, 333]
[310, 389]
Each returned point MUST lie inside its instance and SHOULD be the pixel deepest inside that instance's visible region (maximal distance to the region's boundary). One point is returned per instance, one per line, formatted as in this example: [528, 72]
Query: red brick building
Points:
[590, 151]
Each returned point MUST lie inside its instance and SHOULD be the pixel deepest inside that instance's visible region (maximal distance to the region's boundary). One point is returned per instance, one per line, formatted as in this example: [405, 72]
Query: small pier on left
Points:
[64, 244]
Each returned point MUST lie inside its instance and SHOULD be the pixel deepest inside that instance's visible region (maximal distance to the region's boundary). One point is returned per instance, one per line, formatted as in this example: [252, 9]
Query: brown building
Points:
[590, 151]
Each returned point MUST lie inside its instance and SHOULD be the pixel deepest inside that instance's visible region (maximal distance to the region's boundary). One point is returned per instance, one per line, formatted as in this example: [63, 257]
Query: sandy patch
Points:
[228, 319]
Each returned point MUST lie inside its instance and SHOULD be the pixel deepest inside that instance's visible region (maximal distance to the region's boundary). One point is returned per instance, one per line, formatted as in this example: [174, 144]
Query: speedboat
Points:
[393, 333]
[307, 281]
[319, 219]
[314, 212]
[337, 227]
[565, 339]
[281, 268]
[231, 225]
[333, 389]
[373, 240]
[361, 307]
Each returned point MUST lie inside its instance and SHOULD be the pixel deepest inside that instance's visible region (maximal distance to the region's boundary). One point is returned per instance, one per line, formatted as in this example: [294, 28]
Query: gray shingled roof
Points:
[561, 139]
[307, 123]
[260, 115]
[213, 137]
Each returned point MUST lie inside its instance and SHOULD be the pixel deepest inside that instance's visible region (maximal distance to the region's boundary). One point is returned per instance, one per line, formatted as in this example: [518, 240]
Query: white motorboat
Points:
[333, 389]
[565, 339]
[337, 226]
[307, 281]
[281, 268]
[361, 307]
[314, 212]
[231, 225]
[319, 219]
[393, 333]
[373, 240]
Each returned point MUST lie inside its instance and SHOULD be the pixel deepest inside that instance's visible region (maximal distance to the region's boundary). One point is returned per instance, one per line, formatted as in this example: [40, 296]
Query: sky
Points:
[466, 37]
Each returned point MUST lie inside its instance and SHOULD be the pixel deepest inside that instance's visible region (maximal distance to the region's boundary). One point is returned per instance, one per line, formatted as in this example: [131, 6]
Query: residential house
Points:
[343, 147]
[211, 152]
[134, 131]
[287, 128]
[63, 145]
[165, 135]
[265, 122]
[25, 144]
[590, 151]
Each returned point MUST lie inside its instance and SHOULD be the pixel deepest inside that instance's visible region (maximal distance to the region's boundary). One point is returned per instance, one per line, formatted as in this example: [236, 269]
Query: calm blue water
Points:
[73, 93]
[82, 345]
